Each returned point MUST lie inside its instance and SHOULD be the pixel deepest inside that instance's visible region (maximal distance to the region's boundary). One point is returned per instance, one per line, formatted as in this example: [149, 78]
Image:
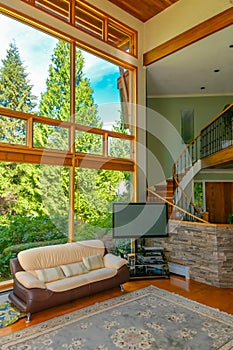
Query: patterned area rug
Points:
[8, 314]
[149, 318]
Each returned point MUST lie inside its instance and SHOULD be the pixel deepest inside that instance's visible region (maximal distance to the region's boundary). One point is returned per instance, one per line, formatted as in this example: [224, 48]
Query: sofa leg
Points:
[122, 287]
[28, 317]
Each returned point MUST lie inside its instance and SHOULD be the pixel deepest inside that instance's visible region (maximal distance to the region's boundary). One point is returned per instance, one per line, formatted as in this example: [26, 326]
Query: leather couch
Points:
[48, 276]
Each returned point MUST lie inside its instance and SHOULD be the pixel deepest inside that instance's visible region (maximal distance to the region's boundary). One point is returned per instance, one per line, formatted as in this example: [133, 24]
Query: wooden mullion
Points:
[72, 12]
[72, 139]
[105, 144]
[30, 133]
[105, 30]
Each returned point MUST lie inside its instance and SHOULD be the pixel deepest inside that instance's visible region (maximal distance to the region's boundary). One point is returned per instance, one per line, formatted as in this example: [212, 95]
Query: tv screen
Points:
[140, 220]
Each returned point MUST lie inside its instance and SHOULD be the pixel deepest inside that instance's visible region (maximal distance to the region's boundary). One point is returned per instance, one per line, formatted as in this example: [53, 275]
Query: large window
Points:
[66, 140]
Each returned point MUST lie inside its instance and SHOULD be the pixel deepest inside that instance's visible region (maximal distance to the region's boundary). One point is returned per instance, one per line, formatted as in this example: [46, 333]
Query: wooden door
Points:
[219, 201]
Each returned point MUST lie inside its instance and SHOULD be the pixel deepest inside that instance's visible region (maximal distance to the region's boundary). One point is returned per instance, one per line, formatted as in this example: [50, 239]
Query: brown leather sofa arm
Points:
[15, 266]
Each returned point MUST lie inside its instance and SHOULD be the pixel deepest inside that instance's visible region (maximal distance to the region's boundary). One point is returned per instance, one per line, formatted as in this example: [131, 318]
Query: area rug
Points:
[149, 318]
[8, 314]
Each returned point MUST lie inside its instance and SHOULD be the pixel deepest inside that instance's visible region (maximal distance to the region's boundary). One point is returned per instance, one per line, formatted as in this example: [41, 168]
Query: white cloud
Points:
[95, 67]
[109, 112]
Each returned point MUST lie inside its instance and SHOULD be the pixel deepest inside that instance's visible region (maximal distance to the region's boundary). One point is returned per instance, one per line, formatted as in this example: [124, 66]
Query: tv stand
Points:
[147, 262]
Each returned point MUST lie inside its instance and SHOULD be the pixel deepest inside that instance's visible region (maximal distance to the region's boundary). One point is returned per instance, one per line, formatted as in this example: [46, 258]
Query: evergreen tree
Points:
[55, 103]
[19, 186]
[95, 189]
[15, 94]
[15, 89]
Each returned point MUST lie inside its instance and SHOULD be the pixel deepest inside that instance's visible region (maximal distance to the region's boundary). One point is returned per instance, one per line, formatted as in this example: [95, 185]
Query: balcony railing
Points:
[218, 134]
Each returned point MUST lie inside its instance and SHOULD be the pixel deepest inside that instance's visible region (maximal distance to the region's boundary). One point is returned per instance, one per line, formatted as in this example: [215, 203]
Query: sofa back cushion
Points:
[57, 255]
[77, 268]
[50, 274]
[93, 262]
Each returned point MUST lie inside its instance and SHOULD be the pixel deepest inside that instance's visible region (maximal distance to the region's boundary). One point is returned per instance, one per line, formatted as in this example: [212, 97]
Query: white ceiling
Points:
[187, 70]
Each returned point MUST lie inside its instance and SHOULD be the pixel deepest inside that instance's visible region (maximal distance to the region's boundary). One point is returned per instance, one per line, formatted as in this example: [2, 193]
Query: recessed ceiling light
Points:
[217, 70]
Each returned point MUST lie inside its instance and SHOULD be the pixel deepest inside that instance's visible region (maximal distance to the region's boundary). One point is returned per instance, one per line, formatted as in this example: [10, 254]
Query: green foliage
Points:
[19, 188]
[198, 195]
[54, 186]
[15, 94]
[30, 195]
[12, 251]
[19, 229]
[120, 147]
[15, 249]
[122, 246]
[55, 101]
[19, 183]
[97, 191]
[19, 233]
[15, 90]
[230, 218]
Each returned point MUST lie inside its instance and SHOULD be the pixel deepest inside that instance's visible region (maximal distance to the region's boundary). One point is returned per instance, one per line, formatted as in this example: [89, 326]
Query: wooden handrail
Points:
[175, 178]
[185, 149]
[196, 218]
[217, 117]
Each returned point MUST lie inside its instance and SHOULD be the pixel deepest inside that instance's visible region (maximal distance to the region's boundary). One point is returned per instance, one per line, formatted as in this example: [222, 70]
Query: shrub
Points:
[12, 251]
[24, 232]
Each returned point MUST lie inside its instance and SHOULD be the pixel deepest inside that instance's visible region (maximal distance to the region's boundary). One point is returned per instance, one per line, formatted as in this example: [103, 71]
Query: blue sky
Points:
[35, 49]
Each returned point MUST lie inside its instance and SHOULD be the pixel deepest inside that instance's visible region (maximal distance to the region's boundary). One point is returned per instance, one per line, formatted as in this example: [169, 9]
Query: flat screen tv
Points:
[140, 220]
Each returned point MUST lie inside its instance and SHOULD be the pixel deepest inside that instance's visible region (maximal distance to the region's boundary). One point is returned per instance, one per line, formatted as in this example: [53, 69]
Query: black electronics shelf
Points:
[148, 262]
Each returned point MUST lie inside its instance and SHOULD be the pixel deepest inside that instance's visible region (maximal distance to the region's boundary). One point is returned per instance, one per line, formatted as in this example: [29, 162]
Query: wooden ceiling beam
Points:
[200, 31]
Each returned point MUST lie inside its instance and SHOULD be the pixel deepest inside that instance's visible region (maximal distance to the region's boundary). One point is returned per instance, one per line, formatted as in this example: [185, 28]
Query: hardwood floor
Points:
[220, 298]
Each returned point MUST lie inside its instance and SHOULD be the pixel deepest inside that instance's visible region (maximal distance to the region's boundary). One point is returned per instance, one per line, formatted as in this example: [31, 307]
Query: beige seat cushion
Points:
[81, 280]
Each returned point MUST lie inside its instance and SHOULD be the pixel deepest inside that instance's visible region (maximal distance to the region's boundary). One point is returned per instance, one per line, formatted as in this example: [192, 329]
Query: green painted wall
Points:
[214, 176]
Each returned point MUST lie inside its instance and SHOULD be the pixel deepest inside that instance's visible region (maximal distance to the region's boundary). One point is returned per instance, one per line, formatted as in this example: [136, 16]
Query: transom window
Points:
[92, 21]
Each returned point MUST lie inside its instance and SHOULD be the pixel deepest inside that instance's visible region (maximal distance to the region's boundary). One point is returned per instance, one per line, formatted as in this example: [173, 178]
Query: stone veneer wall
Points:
[206, 250]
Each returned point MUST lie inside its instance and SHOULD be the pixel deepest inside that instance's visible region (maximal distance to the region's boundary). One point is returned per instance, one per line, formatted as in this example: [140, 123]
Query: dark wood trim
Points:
[200, 31]
[218, 159]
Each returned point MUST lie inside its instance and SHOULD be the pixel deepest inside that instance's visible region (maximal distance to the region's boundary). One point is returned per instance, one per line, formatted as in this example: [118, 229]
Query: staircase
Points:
[190, 162]
[165, 193]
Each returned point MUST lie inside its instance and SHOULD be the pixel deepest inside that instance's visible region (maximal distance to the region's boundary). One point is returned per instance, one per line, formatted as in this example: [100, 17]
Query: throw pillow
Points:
[50, 274]
[93, 262]
[74, 269]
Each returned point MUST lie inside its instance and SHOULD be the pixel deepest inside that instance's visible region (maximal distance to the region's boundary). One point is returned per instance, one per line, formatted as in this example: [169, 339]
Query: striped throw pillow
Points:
[74, 269]
[50, 274]
[93, 262]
